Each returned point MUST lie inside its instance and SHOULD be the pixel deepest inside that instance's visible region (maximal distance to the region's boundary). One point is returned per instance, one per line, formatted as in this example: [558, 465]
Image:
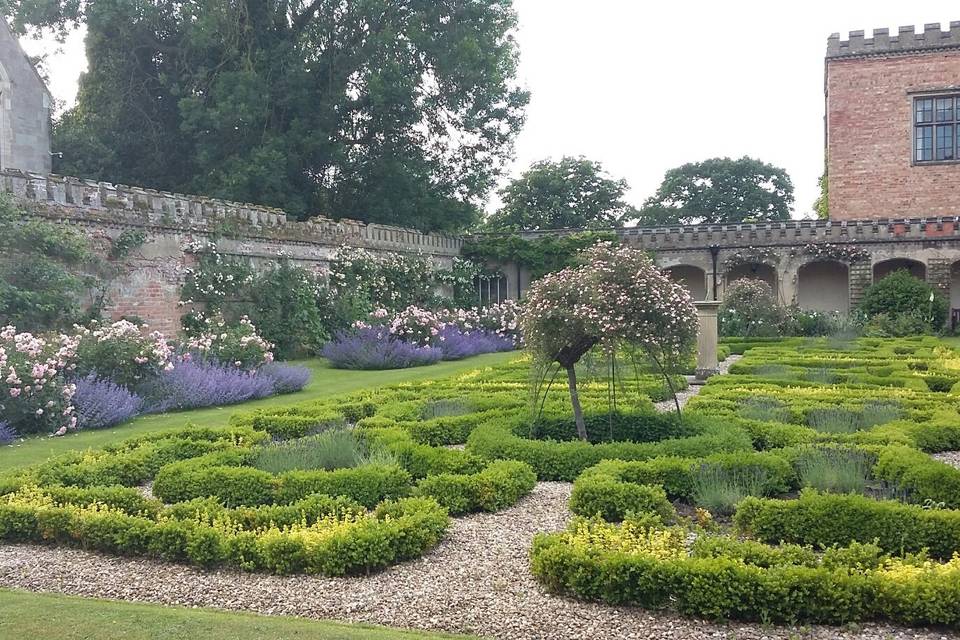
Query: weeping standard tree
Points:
[616, 299]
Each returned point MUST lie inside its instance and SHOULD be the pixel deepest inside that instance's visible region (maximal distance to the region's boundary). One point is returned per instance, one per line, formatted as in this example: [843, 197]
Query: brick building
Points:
[893, 123]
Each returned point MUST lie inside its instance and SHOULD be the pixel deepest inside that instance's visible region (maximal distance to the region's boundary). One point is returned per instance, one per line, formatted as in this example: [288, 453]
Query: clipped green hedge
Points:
[725, 588]
[824, 520]
[552, 460]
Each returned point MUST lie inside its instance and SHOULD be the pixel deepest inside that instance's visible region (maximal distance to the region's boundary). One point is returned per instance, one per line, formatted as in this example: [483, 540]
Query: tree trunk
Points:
[575, 401]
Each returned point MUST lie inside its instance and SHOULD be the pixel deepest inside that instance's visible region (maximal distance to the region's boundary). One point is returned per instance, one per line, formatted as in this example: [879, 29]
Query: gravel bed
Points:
[694, 389]
[476, 581]
[952, 458]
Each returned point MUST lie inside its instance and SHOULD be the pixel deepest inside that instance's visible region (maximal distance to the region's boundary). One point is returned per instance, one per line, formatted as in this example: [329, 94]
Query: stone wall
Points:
[870, 86]
[176, 225]
[810, 262]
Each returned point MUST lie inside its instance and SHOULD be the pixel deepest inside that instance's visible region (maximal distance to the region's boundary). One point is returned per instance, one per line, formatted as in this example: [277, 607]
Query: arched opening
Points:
[753, 271]
[693, 278]
[824, 286]
[916, 268]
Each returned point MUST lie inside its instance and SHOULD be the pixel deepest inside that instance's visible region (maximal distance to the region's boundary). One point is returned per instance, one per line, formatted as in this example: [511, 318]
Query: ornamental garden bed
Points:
[760, 504]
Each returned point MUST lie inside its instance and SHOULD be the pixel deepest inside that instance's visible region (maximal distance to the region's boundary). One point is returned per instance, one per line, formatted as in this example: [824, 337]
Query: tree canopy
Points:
[572, 193]
[720, 191]
[394, 112]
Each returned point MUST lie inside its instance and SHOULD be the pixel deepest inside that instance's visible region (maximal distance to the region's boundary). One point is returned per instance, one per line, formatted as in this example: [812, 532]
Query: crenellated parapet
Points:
[109, 204]
[782, 234]
[906, 40]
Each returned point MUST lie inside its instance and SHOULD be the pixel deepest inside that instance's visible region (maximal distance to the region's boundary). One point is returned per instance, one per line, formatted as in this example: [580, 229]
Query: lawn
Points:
[35, 615]
[324, 383]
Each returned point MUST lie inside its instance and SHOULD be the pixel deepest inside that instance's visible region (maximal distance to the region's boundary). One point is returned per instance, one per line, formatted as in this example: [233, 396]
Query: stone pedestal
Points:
[707, 364]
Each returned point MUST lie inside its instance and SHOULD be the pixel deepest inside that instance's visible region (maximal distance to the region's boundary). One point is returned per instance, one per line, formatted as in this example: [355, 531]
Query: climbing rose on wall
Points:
[617, 298]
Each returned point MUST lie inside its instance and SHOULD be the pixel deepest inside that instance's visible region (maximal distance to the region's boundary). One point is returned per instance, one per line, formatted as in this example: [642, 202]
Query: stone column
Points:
[707, 339]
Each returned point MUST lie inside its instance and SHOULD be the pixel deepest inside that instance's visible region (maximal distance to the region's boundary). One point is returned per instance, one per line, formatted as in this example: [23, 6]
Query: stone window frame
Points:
[926, 94]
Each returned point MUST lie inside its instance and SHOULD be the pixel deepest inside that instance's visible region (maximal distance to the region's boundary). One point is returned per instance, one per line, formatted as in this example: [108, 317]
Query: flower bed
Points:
[415, 337]
[874, 533]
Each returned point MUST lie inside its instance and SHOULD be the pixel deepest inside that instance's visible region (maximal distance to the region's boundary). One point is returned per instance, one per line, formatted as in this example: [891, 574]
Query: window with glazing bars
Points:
[936, 124]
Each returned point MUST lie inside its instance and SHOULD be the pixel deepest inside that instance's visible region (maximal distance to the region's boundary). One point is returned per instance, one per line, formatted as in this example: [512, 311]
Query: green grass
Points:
[325, 382]
[34, 615]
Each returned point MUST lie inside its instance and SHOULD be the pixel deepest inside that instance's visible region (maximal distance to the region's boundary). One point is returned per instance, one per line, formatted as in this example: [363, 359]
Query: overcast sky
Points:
[642, 87]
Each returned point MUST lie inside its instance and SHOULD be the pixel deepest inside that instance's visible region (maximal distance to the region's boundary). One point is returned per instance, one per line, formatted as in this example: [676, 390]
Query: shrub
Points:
[834, 470]
[749, 309]
[920, 475]
[193, 384]
[824, 520]
[101, 403]
[332, 449]
[374, 348]
[122, 353]
[286, 378]
[833, 420]
[497, 486]
[729, 588]
[765, 409]
[901, 293]
[34, 397]
[612, 500]
[719, 489]
[237, 345]
[940, 384]
[455, 344]
[7, 433]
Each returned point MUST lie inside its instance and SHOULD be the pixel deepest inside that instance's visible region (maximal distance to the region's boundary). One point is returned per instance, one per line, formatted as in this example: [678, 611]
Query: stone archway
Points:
[753, 271]
[824, 285]
[885, 267]
[691, 277]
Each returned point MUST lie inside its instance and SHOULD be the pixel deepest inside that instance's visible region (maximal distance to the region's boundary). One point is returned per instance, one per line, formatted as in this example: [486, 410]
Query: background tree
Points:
[618, 299]
[720, 191]
[572, 193]
[395, 112]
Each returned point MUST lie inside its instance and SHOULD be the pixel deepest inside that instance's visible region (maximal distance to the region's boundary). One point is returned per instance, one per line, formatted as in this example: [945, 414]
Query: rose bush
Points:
[236, 345]
[34, 394]
[122, 352]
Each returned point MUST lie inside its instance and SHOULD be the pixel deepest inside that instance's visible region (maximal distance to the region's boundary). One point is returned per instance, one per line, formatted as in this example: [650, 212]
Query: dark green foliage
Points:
[371, 110]
[612, 500]
[901, 294]
[499, 485]
[720, 191]
[919, 474]
[825, 520]
[45, 271]
[541, 255]
[572, 193]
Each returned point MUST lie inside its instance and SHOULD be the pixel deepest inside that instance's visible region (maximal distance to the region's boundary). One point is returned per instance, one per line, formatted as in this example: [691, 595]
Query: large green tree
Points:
[719, 191]
[396, 111]
[572, 193]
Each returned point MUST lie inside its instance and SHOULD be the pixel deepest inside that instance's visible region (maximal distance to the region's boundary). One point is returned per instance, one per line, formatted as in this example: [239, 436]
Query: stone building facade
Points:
[25, 105]
[892, 123]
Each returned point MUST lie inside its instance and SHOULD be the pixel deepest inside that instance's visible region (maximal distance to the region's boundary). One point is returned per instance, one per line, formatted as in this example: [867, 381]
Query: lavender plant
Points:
[7, 433]
[287, 378]
[456, 344]
[102, 403]
[375, 348]
[194, 384]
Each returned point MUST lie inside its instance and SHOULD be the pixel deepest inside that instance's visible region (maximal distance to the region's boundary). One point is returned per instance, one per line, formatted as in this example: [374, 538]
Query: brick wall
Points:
[869, 136]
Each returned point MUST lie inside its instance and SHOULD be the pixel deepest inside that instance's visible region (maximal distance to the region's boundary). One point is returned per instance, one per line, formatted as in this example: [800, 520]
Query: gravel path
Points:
[952, 458]
[476, 581]
[694, 389]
